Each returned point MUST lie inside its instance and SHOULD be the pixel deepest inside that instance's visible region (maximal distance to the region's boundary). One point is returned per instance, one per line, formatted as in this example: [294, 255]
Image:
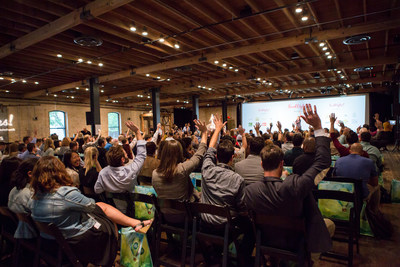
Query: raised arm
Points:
[218, 127]
[257, 128]
[244, 139]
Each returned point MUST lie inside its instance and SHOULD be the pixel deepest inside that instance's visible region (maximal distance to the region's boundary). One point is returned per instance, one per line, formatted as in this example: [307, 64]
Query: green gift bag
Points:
[395, 192]
[135, 251]
[144, 211]
[335, 209]
[365, 229]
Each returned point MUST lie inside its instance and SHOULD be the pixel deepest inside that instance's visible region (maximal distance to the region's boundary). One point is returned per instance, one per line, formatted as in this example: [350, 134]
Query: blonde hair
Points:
[91, 154]
[48, 143]
[65, 141]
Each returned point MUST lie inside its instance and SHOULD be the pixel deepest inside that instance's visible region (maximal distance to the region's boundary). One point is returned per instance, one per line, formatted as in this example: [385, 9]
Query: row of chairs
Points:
[184, 219]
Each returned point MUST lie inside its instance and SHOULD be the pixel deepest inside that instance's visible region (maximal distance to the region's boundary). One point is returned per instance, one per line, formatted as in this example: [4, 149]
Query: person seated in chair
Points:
[293, 197]
[295, 152]
[88, 227]
[222, 186]
[250, 168]
[150, 163]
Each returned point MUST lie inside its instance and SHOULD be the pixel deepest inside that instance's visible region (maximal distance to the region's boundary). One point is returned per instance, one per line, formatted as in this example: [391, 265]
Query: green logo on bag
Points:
[135, 245]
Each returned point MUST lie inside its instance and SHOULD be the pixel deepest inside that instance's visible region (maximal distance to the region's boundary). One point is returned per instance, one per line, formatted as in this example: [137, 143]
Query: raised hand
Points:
[332, 118]
[200, 125]
[132, 126]
[240, 130]
[311, 117]
[257, 126]
[219, 124]
[279, 125]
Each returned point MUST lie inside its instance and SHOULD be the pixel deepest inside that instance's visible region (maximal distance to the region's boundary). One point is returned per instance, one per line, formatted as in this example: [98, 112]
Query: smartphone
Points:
[392, 122]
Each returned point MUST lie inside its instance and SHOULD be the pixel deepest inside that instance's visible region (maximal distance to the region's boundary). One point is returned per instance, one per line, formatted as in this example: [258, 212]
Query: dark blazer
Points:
[303, 162]
[293, 197]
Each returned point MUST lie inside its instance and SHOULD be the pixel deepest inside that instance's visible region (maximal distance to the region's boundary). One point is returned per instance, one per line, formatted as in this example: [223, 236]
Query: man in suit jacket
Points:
[250, 168]
[292, 197]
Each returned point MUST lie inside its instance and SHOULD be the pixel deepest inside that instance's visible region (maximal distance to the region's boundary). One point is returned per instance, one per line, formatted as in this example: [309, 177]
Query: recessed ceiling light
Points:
[177, 46]
[168, 79]
[339, 71]
[80, 60]
[158, 77]
[1, 78]
[55, 95]
[36, 82]
[269, 83]
[204, 87]
[89, 62]
[147, 75]
[304, 18]
[67, 96]
[133, 28]
[216, 62]
[147, 104]
[258, 79]
[327, 53]
[198, 86]
[102, 91]
[59, 55]
[324, 48]
[177, 101]
[72, 97]
[7, 91]
[24, 81]
[236, 70]
[342, 76]
[209, 89]
[87, 89]
[230, 67]
[321, 44]
[329, 56]
[298, 10]
[224, 65]
[148, 96]
[13, 80]
[77, 88]
[208, 105]
[101, 64]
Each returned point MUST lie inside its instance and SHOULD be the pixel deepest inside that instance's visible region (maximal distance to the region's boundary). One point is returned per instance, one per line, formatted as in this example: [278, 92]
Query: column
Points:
[195, 111]
[94, 103]
[238, 114]
[155, 99]
[224, 110]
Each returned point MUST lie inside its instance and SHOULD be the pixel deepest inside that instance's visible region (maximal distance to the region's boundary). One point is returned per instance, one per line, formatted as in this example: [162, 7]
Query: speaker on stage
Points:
[89, 119]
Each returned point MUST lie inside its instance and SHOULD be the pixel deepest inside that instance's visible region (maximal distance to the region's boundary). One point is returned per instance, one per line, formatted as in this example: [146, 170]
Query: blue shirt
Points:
[122, 178]
[107, 147]
[67, 208]
[358, 167]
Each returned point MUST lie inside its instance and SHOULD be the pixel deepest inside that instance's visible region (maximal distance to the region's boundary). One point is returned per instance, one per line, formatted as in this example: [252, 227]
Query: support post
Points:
[94, 103]
[224, 110]
[195, 111]
[238, 114]
[155, 99]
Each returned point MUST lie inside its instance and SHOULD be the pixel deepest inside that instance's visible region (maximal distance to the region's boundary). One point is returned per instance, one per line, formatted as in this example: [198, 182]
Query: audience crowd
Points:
[61, 181]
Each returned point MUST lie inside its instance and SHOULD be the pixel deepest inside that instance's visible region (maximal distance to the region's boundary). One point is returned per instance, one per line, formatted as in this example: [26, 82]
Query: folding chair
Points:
[64, 251]
[294, 226]
[200, 230]
[346, 230]
[173, 218]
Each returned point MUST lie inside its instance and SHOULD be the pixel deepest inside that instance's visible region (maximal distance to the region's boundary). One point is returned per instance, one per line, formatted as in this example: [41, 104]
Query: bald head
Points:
[356, 148]
[309, 145]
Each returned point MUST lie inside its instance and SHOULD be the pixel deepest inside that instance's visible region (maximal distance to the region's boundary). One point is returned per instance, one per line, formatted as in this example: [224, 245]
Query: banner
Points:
[6, 124]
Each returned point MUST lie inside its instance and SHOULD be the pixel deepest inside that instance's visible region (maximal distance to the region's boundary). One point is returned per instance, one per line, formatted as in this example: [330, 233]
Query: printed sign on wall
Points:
[6, 124]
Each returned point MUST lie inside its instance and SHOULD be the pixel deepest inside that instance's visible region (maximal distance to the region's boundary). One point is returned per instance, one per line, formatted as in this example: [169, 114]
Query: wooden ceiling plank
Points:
[96, 8]
[249, 49]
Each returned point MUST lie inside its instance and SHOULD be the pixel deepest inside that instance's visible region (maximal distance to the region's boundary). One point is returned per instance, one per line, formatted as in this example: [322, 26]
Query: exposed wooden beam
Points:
[68, 21]
[244, 50]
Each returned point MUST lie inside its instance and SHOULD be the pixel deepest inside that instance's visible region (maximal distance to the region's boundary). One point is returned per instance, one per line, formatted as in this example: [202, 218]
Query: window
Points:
[113, 124]
[58, 124]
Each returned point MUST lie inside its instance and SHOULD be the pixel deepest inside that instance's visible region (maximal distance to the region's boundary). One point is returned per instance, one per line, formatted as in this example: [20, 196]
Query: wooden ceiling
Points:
[228, 49]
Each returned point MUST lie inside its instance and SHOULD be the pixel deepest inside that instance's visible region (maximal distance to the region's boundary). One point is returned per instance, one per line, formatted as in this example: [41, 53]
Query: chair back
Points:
[199, 208]
[5, 211]
[52, 230]
[294, 224]
[144, 180]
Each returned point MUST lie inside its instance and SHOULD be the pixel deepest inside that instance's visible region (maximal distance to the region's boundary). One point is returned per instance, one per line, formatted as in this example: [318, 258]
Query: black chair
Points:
[144, 180]
[346, 230]
[173, 218]
[64, 251]
[203, 231]
[293, 225]
[8, 225]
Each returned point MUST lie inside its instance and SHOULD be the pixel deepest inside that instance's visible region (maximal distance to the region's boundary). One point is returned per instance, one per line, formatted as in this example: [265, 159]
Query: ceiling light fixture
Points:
[80, 60]
[72, 97]
[100, 64]
[339, 71]
[1, 78]
[177, 46]
[55, 95]
[12, 80]
[23, 81]
[36, 82]
[327, 53]
[224, 65]
[168, 79]
[299, 9]
[133, 28]
[59, 55]
[230, 67]
[321, 44]
[216, 62]
[7, 91]
[236, 70]
[144, 32]
[304, 18]
[324, 48]
[87, 89]
[89, 62]
[77, 88]
[161, 40]
[329, 56]
[102, 91]
[147, 75]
